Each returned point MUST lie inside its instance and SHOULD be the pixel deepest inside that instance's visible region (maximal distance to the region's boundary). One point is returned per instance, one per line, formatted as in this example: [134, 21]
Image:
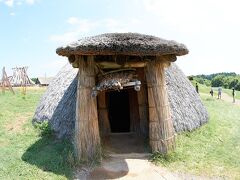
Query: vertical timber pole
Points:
[103, 115]
[161, 131]
[142, 104]
[87, 139]
[134, 112]
[3, 80]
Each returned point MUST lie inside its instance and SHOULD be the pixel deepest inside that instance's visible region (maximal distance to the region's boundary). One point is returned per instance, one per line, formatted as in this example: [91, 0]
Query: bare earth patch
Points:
[16, 125]
[131, 166]
[3, 143]
[228, 98]
[122, 163]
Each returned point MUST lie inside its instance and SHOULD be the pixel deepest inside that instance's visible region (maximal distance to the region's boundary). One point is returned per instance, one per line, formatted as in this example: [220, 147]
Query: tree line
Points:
[227, 80]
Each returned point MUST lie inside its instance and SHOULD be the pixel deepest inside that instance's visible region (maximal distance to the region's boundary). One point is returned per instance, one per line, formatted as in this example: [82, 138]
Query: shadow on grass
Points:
[51, 155]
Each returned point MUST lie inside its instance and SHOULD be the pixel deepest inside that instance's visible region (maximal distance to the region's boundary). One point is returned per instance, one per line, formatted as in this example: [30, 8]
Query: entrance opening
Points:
[119, 113]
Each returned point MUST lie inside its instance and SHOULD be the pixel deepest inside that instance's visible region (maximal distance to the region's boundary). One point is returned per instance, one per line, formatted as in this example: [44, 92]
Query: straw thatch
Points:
[123, 44]
[187, 109]
[58, 104]
[43, 81]
[20, 77]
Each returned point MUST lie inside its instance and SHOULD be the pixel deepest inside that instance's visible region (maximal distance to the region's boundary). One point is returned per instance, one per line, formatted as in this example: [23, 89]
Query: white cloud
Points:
[19, 3]
[12, 14]
[49, 68]
[86, 27]
[30, 1]
[195, 16]
[65, 38]
[9, 2]
[114, 25]
[73, 20]
[81, 27]
[61, 61]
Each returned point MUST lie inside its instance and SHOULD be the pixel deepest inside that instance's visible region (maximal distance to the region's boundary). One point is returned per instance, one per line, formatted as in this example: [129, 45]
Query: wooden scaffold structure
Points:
[21, 79]
[5, 83]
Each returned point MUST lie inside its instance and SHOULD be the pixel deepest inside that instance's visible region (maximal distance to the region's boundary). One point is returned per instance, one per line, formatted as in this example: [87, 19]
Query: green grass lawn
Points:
[24, 153]
[213, 149]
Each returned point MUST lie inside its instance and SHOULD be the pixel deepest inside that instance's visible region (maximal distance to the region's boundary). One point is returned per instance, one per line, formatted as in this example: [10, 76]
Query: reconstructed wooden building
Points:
[43, 81]
[121, 88]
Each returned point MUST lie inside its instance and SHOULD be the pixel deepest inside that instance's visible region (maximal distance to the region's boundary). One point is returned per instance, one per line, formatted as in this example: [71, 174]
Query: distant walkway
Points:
[228, 98]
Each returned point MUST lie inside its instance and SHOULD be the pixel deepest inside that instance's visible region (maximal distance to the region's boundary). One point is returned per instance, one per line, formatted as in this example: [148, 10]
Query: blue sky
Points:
[31, 30]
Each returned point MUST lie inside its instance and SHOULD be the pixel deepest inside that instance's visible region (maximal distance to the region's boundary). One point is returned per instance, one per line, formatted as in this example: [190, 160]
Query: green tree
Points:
[233, 83]
[226, 81]
[218, 81]
[237, 86]
[34, 79]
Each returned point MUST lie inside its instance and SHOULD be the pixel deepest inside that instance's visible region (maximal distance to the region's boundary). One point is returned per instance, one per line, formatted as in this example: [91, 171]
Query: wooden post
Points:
[103, 115]
[5, 82]
[142, 104]
[87, 140]
[24, 79]
[161, 131]
[134, 111]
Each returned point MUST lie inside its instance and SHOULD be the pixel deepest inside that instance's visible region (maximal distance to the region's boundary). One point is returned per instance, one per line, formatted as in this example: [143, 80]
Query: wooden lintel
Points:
[134, 63]
[169, 57]
[113, 65]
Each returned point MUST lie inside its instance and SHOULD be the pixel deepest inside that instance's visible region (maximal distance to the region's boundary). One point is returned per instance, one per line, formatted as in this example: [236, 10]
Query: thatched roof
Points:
[58, 104]
[132, 44]
[44, 80]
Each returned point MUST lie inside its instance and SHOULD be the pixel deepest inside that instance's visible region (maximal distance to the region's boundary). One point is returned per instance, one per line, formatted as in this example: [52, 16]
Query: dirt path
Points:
[129, 166]
[228, 98]
[225, 97]
[134, 166]
[123, 164]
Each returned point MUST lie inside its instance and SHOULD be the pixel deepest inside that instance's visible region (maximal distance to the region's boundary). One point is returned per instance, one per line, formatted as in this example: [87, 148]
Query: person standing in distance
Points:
[219, 93]
[197, 88]
[211, 92]
[233, 94]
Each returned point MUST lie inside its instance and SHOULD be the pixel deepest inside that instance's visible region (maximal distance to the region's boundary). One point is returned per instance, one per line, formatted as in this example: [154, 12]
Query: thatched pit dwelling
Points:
[121, 87]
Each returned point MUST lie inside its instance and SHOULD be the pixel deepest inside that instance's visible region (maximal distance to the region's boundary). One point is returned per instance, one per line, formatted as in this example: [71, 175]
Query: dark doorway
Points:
[119, 114]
